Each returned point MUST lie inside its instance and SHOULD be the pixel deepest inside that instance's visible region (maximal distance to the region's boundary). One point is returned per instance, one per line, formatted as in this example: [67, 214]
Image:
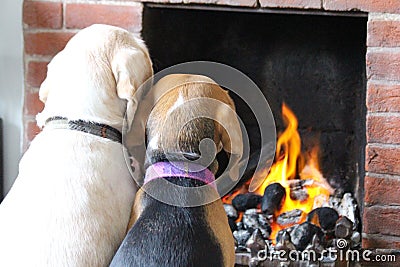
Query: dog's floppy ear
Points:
[231, 134]
[129, 67]
[43, 91]
[45, 87]
[124, 72]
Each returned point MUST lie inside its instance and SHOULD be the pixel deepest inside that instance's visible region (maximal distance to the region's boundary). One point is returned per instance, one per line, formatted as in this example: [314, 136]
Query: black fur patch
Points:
[171, 236]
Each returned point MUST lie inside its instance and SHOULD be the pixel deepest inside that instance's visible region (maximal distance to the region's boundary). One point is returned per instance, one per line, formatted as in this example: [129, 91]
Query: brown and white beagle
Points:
[172, 235]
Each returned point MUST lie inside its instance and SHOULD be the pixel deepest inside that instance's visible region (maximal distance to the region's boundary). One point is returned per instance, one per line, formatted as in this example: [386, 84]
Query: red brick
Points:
[316, 4]
[383, 191]
[36, 73]
[389, 6]
[383, 97]
[46, 43]
[383, 159]
[32, 105]
[383, 65]
[382, 220]
[79, 16]
[31, 130]
[42, 14]
[383, 128]
[380, 241]
[246, 3]
[383, 33]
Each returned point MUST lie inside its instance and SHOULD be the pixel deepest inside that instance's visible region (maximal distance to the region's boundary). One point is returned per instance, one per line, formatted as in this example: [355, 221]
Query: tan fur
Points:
[215, 215]
[191, 87]
[136, 208]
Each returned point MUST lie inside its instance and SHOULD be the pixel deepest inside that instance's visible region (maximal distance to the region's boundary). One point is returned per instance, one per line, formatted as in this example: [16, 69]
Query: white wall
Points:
[11, 85]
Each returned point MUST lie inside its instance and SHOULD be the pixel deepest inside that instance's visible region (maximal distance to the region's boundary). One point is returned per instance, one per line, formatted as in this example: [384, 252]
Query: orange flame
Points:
[289, 144]
[288, 160]
[290, 165]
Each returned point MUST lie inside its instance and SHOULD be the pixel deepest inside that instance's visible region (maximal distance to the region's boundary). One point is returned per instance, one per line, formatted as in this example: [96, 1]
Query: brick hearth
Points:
[48, 25]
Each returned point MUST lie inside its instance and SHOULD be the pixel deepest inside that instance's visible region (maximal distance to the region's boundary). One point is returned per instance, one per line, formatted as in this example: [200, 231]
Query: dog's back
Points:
[69, 205]
[166, 235]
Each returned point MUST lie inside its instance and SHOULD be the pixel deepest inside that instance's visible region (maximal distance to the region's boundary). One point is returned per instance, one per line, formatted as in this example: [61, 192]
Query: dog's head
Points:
[96, 76]
[192, 108]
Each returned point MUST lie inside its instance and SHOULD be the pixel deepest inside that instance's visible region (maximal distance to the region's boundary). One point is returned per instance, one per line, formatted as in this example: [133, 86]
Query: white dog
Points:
[71, 202]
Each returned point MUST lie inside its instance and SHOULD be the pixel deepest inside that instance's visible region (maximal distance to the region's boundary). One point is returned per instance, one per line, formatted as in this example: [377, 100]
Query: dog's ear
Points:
[44, 87]
[231, 135]
[130, 67]
[123, 69]
[43, 91]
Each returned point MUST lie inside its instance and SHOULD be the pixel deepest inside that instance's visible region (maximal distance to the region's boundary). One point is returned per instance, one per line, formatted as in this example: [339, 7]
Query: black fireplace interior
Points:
[315, 63]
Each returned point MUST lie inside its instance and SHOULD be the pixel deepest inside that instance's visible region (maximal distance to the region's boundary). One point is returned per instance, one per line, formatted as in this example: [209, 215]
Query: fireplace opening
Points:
[312, 63]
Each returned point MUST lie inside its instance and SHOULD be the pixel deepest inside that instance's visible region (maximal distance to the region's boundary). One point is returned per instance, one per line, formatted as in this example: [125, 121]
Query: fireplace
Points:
[309, 54]
[313, 63]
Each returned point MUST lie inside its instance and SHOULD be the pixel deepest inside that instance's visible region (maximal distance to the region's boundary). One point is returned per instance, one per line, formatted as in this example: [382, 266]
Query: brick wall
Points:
[48, 25]
[382, 182]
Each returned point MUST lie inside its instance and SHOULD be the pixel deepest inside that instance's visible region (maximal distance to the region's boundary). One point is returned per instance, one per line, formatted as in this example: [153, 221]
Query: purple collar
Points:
[179, 169]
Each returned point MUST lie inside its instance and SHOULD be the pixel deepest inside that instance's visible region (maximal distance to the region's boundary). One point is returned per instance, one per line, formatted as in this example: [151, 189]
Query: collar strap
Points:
[179, 169]
[98, 129]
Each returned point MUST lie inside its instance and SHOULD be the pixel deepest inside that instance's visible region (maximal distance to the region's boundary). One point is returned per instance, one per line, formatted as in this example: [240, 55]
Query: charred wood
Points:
[344, 227]
[289, 218]
[246, 201]
[230, 211]
[323, 217]
[273, 198]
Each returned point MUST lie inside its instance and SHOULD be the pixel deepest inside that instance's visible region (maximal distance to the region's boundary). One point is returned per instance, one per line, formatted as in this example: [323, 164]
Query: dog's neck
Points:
[94, 128]
[177, 169]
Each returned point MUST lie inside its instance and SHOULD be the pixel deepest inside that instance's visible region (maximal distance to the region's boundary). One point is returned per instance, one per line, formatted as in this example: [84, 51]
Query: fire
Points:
[287, 152]
[292, 166]
[289, 165]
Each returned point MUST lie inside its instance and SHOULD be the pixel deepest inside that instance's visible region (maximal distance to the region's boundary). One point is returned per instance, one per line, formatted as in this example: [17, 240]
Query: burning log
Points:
[289, 218]
[323, 217]
[299, 193]
[255, 243]
[315, 245]
[240, 225]
[273, 198]
[246, 201]
[253, 221]
[265, 226]
[355, 239]
[348, 208]
[230, 211]
[301, 235]
[283, 241]
[241, 237]
[297, 189]
[344, 228]
[250, 220]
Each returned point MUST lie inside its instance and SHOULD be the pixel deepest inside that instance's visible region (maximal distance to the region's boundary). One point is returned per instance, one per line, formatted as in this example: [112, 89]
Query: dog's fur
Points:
[71, 201]
[165, 235]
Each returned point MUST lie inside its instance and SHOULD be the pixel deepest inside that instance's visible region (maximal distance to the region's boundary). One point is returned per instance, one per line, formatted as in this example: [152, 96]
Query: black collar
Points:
[98, 129]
